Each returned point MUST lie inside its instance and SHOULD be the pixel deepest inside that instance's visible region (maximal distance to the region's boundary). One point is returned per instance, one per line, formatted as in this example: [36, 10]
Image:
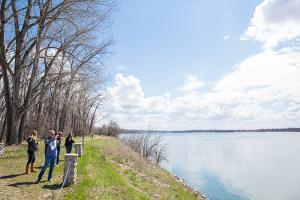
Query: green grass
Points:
[15, 184]
[107, 170]
[101, 178]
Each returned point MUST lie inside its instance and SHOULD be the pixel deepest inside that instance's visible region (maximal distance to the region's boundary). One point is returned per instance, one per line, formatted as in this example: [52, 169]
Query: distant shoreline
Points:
[214, 130]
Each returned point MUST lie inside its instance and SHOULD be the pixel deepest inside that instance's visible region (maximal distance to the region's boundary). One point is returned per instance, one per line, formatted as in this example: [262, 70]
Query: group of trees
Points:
[51, 58]
[109, 129]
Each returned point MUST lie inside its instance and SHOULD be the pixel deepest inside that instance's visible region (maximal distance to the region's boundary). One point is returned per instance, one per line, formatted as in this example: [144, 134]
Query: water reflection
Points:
[237, 165]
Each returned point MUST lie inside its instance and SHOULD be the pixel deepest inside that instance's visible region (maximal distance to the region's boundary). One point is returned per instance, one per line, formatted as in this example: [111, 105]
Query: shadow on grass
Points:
[27, 183]
[11, 176]
[52, 187]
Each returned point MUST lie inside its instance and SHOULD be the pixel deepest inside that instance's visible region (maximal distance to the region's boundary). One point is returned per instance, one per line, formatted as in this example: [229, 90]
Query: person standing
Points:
[32, 148]
[68, 143]
[51, 154]
[58, 137]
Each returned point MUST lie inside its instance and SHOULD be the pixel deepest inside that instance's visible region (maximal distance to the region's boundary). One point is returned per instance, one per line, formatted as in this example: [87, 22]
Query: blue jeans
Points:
[49, 160]
[68, 148]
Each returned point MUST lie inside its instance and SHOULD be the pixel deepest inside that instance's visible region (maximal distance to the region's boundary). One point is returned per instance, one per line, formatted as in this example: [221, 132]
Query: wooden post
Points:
[70, 172]
[78, 149]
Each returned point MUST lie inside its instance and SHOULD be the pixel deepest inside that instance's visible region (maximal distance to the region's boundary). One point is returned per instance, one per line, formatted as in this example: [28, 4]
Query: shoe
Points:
[50, 180]
[37, 182]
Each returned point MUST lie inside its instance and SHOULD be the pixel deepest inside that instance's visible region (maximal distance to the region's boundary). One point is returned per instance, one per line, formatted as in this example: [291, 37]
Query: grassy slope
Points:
[108, 170]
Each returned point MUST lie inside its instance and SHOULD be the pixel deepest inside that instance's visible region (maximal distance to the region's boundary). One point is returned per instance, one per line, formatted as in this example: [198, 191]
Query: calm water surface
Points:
[234, 166]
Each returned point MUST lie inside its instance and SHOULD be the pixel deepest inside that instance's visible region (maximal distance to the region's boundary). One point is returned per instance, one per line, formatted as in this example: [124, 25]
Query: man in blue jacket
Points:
[51, 154]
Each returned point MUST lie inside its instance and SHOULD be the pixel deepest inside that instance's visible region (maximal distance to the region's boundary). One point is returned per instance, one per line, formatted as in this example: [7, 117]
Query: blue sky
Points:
[160, 41]
[205, 64]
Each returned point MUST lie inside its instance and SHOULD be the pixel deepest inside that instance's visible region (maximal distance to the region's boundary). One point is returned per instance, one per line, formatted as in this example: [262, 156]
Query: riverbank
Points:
[108, 170]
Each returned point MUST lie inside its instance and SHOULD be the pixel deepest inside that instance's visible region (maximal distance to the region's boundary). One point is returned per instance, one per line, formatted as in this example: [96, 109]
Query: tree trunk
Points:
[55, 128]
[21, 128]
[12, 119]
[3, 130]
[93, 116]
[13, 122]
[39, 119]
[62, 119]
[65, 104]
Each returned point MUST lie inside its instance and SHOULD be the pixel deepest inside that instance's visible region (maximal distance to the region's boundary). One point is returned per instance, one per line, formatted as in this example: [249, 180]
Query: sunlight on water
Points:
[237, 166]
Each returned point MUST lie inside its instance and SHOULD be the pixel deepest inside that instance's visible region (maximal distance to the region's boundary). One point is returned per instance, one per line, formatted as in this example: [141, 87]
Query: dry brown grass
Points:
[141, 173]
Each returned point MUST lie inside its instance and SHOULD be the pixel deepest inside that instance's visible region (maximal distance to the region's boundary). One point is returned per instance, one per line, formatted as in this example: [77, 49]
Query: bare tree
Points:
[113, 129]
[47, 47]
[149, 145]
[160, 153]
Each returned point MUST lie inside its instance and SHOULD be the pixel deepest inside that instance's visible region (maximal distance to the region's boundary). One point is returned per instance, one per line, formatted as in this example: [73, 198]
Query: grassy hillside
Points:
[108, 170]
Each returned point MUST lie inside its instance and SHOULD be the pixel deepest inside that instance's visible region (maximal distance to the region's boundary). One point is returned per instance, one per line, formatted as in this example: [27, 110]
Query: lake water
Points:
[234, 166]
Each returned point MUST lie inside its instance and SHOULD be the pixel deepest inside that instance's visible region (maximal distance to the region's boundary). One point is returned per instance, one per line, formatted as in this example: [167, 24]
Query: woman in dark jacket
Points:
[58, 136]
[32, 147]
[68, 143]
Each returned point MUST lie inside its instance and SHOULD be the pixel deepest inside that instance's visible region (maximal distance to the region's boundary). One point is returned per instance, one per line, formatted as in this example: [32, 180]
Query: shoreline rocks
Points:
[180, 180]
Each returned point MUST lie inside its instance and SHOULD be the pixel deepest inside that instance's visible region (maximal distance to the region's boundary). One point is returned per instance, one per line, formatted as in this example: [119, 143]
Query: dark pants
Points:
[31, 157]
[49, 160]
[45, 148]
[69, 148]
[58, 151]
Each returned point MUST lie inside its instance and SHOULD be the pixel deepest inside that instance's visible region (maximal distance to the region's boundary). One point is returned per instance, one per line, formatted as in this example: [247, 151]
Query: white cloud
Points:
[191, 84]
[127, 92]
[275, 21]
[263, 91]
[226, 37]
